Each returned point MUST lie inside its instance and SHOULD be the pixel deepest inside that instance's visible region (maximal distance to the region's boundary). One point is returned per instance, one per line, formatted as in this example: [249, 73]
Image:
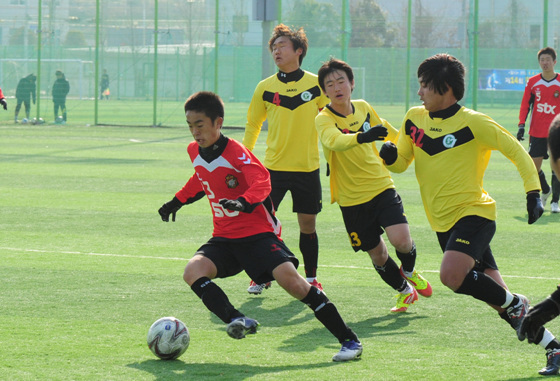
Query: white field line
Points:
[186, 259]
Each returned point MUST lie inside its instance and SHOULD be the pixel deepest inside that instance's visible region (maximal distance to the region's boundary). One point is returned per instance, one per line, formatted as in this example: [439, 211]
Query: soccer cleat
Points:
[419, 283]
[316, 284]
[516, 315]
[257, 289]
[545, 196]
[241, 326]
[552, 363]
[554, 208]
[405, 300]
[350, 350]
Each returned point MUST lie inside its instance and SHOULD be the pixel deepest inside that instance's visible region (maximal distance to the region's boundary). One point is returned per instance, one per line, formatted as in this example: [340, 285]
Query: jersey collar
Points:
[214, 151]
[290, 77]
[446, 113]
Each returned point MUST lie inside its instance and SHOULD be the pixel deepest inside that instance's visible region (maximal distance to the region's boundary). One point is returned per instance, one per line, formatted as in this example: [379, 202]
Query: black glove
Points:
[236, 205]
[168, 208]
[538, 316]
[389, 153]
[378, 132]
[4, 103]
[521, 132]
[534, 207]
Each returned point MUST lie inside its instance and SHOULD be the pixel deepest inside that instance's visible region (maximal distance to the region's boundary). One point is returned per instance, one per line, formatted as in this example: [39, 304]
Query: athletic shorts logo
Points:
[449, 141]
[231, 181]
[306, 96]
[464, 241]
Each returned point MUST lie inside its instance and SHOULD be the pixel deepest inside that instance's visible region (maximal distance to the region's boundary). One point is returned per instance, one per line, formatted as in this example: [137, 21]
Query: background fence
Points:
[157, 52]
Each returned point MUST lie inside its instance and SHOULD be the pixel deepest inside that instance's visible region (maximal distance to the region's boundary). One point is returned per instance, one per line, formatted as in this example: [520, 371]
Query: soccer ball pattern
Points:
[168, 338]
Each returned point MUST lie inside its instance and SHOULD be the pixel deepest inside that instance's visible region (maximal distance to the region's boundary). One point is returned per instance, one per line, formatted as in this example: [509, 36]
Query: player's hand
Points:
[520, 132]
[538, 316]
[534, 207]
[169, 208]
[238, 205]
[4, 103]
[389, 153]
[378, 132]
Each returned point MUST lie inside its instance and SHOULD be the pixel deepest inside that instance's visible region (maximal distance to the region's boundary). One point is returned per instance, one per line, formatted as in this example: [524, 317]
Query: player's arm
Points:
[331, 137]
[191, 192]
[256, 115]
[526, 104]
[398, 156]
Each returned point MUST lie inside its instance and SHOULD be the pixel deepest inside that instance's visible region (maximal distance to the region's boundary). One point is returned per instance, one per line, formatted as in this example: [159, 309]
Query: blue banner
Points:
[504, 79]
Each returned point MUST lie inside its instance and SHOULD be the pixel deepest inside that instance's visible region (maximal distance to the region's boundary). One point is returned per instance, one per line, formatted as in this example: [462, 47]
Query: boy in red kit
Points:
[542, 99]
[3, 102]
[246, 233]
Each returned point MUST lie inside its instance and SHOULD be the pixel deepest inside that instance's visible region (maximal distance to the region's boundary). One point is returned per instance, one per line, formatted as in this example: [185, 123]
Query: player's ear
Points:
[219, 122]
[352, 86]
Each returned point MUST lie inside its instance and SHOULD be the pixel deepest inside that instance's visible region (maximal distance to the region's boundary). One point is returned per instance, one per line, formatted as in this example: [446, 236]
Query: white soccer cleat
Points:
[350, 350]
[554, 208]
[257, 289]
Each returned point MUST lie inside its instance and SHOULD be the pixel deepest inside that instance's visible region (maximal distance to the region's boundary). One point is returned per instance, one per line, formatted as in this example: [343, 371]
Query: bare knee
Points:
[451, 280]
[199, 266]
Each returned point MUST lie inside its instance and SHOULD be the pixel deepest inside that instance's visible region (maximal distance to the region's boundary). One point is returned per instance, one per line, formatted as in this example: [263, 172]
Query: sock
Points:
[544, 185]
[548, 340]
[390, 273]
[555, 188]
[215, 299]
[511, 300]
[408, 260]
[482, 287]
[309, 247]
[328, 315]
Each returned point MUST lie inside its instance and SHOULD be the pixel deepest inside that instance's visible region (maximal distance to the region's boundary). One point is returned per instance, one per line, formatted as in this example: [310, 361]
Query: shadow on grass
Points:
[179, 370]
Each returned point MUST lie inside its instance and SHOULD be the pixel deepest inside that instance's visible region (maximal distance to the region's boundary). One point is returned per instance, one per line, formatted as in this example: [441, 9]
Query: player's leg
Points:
[63, 110]
[307, 203]
[27, 104]
[198, 274]
[325, 311]
[554, 207]
[56, 107]
[18, 107]
[538, 151]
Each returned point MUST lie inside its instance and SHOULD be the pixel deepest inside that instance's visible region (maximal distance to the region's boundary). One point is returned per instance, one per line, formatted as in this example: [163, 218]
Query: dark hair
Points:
[331, 66]
[206, 102]
[554, 138]
[547, 50]
[441, 72]
[58, 72]
[297, 36]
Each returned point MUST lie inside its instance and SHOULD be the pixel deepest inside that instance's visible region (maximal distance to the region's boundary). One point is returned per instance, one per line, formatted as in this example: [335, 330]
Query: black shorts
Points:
[538, 147]
[365, 222]
[257, 255]
[471, 235]
[305, 187]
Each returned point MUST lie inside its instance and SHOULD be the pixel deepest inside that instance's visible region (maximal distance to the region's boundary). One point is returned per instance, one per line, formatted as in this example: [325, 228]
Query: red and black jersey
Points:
[231, 171]
[542, 99]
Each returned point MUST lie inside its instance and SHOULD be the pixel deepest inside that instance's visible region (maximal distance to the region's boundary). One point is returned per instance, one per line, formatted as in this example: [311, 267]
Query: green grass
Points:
[86, 266]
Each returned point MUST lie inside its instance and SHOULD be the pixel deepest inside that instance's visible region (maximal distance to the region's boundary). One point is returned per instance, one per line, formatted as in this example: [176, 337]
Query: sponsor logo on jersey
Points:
[353, 123]
[231, 181]
[449, 141]
[435, 129]
[291, 90]
[546, 108]
[306, 96]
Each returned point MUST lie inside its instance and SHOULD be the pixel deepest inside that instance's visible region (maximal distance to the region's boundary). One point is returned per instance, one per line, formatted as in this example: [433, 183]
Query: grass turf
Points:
[86, 265]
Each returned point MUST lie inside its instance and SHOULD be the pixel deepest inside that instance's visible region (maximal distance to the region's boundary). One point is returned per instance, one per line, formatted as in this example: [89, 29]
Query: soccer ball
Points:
[168, 338]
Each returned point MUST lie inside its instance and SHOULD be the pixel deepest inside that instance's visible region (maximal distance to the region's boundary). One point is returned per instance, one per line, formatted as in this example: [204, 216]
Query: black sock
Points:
[554, 344]
[328, 315]
[482, 287]
[215, 299]
[408, 260]
[544, 185]
[555, 188]
[309, 247]
[390, 273]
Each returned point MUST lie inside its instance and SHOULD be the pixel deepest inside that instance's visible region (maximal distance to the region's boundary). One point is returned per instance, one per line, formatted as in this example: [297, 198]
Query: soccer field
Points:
[87, 265]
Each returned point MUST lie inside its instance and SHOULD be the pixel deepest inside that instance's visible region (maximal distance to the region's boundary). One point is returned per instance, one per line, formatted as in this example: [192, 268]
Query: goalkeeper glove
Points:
[4, 103]
[378, 132]
[521, 132]
[534, 207]
[539, 315]
[168, 208]
[389, 153]
[238, 205]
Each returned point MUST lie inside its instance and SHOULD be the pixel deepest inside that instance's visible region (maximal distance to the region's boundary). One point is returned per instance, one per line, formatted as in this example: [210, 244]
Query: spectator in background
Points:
[105, 92]
[25, 92]
[60, 90]
[542, 100]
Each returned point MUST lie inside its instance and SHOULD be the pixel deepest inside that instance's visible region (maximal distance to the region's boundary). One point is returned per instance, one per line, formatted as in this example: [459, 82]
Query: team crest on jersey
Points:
[556, 94]
[366, 126]
[231, 181]
[306, 96]
[449, 141]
